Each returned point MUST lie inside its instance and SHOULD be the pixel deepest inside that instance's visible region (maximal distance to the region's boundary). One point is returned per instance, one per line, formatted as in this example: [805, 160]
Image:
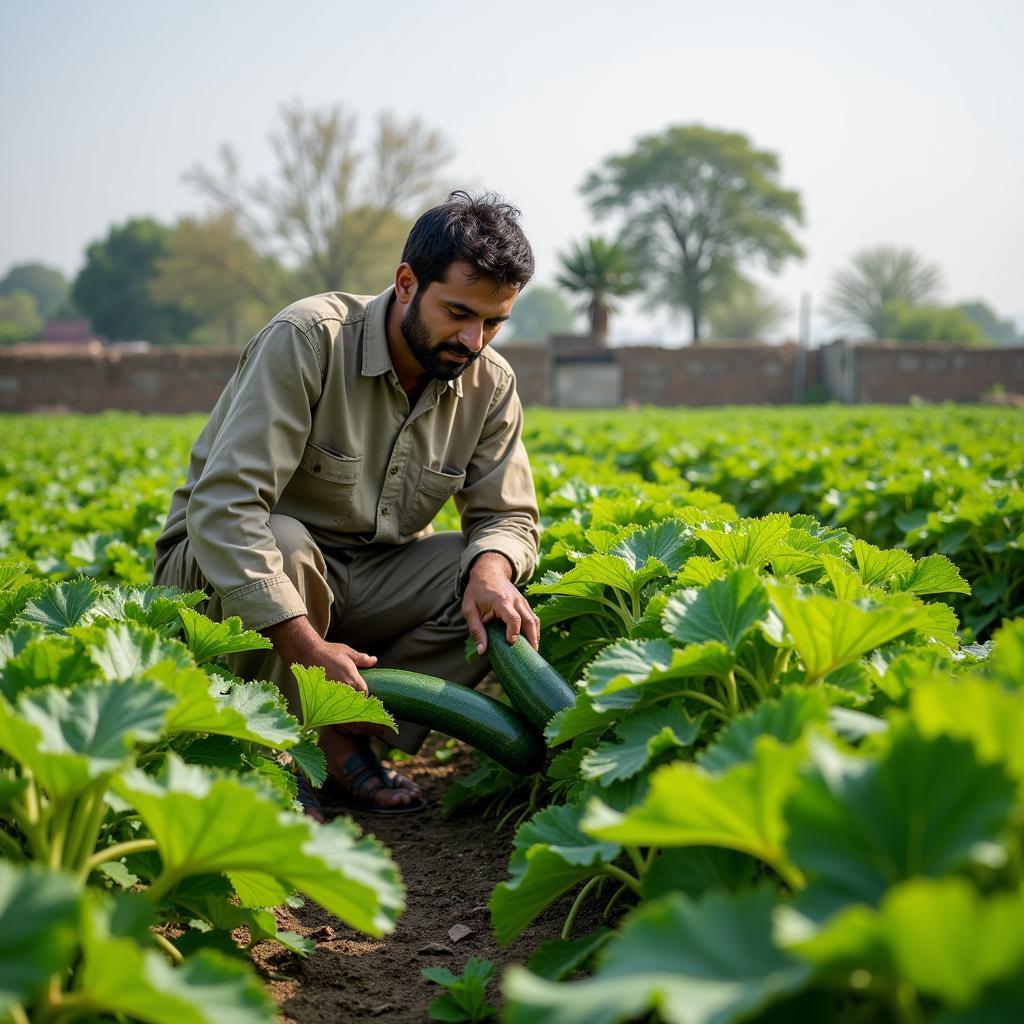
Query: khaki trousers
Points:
[397, 602]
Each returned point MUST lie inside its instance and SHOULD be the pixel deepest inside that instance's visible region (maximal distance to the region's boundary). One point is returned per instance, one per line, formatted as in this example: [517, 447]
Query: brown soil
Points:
[450, 867]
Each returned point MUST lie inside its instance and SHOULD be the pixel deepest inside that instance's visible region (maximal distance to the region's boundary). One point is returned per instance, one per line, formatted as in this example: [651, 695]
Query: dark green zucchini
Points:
[534, 688]
[482, 722]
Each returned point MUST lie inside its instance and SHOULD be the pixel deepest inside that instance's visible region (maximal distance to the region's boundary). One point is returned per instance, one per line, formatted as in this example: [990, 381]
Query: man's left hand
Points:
[489, 594]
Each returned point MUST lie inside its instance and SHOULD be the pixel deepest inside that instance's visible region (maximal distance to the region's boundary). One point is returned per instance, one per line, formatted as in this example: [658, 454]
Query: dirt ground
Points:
[450, 867]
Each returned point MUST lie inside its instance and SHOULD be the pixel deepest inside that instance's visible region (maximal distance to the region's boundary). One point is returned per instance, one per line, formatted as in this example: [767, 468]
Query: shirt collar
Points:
[376, 357]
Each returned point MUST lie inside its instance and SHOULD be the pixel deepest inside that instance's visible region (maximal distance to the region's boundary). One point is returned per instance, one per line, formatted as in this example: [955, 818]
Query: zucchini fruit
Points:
[482, 722]
[535, 689]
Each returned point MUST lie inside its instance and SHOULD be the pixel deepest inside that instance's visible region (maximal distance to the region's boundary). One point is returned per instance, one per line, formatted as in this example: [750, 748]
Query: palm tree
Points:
[875, 278]
[598, 270]
[748, 313]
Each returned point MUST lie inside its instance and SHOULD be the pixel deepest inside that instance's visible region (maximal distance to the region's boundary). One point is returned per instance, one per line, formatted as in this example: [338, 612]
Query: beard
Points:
[430, 356]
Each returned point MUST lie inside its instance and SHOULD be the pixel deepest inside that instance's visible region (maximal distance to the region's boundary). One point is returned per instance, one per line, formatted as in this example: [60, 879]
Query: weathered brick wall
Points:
[717, 374]
[532, 366]
[891, 371]
[170, 381]
[189, 380]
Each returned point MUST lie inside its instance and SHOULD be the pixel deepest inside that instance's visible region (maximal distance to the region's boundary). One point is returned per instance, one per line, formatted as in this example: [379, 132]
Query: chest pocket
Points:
[433, 489]
[325, 487]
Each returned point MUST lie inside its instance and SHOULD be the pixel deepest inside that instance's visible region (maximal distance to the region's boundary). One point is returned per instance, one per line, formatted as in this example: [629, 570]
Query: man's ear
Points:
[405, 283]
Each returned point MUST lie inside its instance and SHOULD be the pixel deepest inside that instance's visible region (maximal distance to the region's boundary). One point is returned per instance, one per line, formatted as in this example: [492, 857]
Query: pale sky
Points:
[899, 121]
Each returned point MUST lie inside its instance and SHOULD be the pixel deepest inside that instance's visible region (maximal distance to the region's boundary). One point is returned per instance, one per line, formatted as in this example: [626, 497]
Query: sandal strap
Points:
[359, 769]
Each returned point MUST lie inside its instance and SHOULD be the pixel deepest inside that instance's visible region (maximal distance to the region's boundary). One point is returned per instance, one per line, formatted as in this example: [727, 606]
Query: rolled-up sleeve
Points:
[256, 451]
[498, 504]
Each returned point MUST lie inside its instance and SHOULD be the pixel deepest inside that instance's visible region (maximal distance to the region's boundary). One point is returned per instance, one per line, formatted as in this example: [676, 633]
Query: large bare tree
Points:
[335, 208]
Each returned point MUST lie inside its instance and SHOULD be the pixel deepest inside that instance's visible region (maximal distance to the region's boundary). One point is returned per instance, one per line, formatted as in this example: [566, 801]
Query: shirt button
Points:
[316, 468]
[393, 470]
[384, 511]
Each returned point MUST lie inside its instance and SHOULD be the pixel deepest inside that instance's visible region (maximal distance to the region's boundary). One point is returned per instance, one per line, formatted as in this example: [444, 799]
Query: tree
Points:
[876, 277]
[597, 271]
[212, 270]
[333, 209]
[47, 286]
[539, 312]
[113, 288]
[19, 317]
[1000, 332]
[749, 313]
[698, 203]
[930, 323]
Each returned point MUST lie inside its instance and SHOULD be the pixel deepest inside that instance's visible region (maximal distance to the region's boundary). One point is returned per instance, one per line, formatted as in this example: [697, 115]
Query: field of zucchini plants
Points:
[789, 784]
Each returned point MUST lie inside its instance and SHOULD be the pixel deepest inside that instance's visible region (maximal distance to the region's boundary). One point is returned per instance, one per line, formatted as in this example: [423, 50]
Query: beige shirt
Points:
[314, 424]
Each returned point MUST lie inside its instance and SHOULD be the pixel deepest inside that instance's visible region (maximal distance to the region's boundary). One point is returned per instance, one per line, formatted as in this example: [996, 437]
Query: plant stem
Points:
[59, 832]
[733, 691]
[168, 947]
[93, 822]
[17, 1014]
[162, 886]
[33, 833]
[577, 903]
[622, 876]
[616, 896]
[637, 859]
[115, 852]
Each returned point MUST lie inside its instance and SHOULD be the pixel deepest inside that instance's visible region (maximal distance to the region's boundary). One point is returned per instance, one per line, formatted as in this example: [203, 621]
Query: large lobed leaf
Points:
[205, 824]
[706, 962]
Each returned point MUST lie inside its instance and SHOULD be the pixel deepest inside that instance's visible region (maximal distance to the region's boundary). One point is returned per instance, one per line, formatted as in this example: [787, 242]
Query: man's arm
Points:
[251, 459]
[500, 519]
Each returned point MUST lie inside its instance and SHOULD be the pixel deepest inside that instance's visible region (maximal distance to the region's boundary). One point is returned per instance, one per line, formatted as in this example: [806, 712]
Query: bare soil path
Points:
[450, 867]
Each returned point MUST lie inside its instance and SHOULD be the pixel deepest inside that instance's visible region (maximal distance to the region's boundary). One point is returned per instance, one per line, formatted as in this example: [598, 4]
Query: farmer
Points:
[349, 421]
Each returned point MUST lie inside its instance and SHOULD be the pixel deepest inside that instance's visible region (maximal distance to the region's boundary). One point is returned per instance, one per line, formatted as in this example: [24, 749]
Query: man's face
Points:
[448, 324]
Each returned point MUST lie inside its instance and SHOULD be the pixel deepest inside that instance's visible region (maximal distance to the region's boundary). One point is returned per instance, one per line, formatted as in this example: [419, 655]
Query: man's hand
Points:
[298, 643]
[489, 594]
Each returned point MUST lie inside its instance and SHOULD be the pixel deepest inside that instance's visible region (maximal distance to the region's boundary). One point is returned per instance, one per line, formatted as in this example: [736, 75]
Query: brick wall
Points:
[890, 371]
[189, 380]
[170, 381]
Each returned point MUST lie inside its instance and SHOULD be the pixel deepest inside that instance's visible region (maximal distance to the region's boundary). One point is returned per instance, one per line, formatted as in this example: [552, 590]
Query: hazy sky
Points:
[899, 122]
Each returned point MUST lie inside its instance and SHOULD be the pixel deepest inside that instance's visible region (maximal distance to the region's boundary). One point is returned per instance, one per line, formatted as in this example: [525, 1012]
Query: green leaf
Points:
[118, 977]
[70, 739]
[558, 958]
[208, 825]
[941, 936]
[641, 738]
[668, 542]
[125, 651]
[258, 890]
[39, 916]
[751, 542]
[1006, 662]
[846, 582]
[934, 574]
[248, 711]
[829, 633]
[786, 719]
[740, 809]
[11, 573]
[699, 571]
[46, 660]
[857, 826]
[64, 604]
[311, 760]
[978, 710]
[696, 870]
[326, 702]
[551, 856]
[149, 606]
[724, 611]
[877, 566]
[207, 639]
[578, 720]
[618, 676]
[707, 962]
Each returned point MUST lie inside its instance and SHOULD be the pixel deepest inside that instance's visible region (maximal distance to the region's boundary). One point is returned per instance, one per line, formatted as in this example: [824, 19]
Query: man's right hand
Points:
[298, 643]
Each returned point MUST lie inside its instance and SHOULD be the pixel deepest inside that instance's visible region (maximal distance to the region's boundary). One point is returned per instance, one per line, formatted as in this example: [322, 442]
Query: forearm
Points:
[295, 640]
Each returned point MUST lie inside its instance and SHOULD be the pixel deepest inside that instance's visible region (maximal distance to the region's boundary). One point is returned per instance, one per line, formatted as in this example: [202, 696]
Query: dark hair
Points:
[480, 230]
